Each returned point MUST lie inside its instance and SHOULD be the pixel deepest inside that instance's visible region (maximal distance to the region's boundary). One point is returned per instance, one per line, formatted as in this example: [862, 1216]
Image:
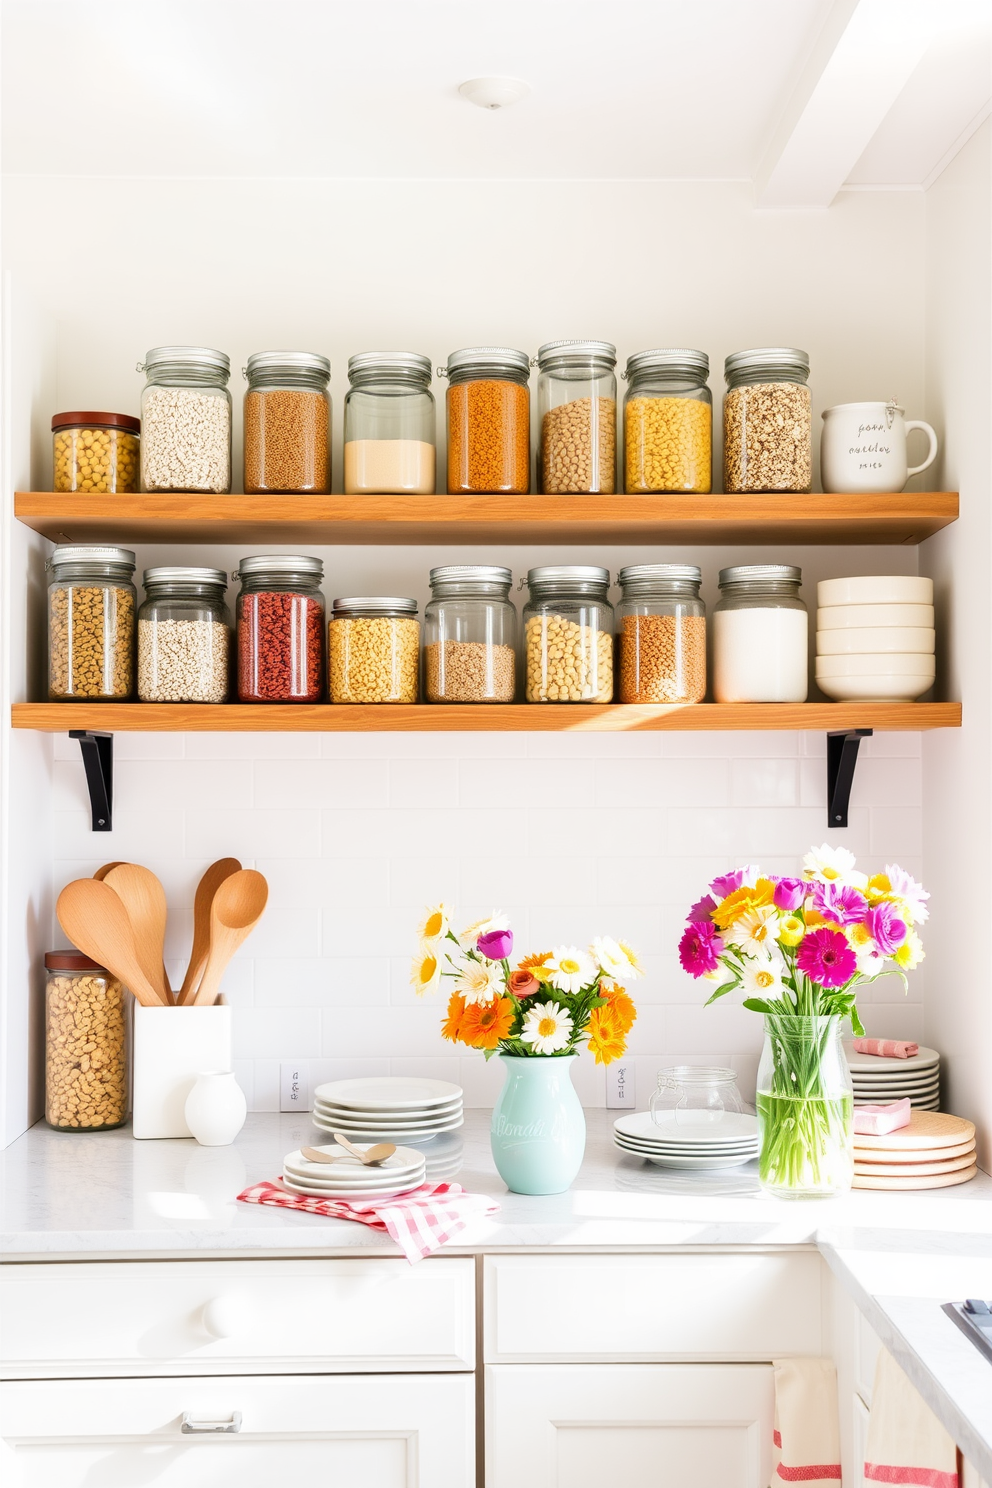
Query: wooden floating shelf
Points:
[615, 520]
[466, 717]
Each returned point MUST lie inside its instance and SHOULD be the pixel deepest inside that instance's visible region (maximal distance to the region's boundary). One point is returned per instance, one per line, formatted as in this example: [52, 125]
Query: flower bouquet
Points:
[799, 948]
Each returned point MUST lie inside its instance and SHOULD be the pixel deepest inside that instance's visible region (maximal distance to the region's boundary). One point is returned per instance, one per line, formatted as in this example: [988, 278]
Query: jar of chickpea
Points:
[568, 635]
[85, 1045]
[668, 422]
[95, 452]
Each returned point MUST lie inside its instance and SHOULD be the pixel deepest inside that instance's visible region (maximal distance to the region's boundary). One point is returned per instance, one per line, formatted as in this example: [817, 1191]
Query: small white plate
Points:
[398, 1161]
[388, 1093]
[700, 1164]
[671, 1150]
[866, 1064]
[419, 1118]
[352, 1185]
[731, 1127]
[313, 1192]
[408, 1133]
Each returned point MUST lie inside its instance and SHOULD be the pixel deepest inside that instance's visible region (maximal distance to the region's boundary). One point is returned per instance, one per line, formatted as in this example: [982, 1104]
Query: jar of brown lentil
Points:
[85, 1045]
[661, 623]
[767, 421]
[95, 452]
[91, 604]
[287, 422]
[488, 420]
[470, 635]
[577, 409]
[373, 650]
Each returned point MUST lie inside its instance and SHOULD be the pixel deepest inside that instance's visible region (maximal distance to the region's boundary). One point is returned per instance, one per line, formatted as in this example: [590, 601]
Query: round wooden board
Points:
[936, 1180]
[869, 1155]
[925, 1129]
[915, 1170]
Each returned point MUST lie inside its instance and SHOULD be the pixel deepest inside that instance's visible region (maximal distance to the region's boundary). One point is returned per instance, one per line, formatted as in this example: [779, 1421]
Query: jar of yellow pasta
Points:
[95, 452]
[668, 422]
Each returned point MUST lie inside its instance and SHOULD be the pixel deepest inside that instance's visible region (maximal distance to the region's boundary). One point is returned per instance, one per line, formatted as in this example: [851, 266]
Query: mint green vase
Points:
[539, 1130]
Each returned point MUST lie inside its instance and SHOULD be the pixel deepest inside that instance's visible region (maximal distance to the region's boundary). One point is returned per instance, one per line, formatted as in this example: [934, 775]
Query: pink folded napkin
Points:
[877, 1121]
[419, 1221]
[887, 1048]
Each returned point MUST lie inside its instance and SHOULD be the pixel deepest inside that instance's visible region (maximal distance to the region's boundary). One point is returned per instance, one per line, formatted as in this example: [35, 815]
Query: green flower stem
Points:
[806, 1129]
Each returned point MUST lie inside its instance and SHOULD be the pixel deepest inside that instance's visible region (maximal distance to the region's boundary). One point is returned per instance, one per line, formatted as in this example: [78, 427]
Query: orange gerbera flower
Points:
[485, 1023]
[620, 1006]
[452, 1026]
[605, 1038]
[535, 965]
[741, 901]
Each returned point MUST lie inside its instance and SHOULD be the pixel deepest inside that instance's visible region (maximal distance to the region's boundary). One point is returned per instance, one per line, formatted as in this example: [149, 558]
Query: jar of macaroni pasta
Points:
[184, 636]
[287, 416]
[95, 452]
[488, 404]
[373, 650]
[85, 1045]
[661, 634]
[390, 425]
[568, 635]
[668, 422]
[577, 410]
[91, 605]
[186, 420]
[470, 635]
[767, 421]
[760, 635]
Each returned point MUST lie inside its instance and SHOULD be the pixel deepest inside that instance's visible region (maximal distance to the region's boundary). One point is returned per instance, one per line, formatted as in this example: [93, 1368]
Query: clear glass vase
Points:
[805, 1105]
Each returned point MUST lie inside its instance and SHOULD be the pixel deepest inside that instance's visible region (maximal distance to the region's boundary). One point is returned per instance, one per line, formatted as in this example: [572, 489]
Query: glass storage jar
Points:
[186, 420]
[390, 424]
[470, 636]
[91, 604]
[760, 641]
[85, 1045]
[95, 452]
[373, 648]
[767, 421]
[668, 422]
[280, 621]
[287, 415]
[184, 631]
[568, 635]
[661, 634]
[488, 404]
[695, 1095]
[577, 412]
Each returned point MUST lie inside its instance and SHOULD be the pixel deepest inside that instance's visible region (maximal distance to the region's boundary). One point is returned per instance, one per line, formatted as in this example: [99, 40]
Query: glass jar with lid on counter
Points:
[184, 632]
[577, 413]
[390, 424]
[91, 605]
[661, 634]
[668, 422]
[760, 636]
[85, 1045]
[767, 421]
[287, 414]
[95, 452]
[470, 635]
[568, 635]
[280, 622]
[488, 404]
[373, 650]
[186, 420]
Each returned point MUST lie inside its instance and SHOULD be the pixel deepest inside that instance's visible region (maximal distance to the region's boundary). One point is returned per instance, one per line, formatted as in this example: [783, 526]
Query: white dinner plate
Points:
[674, 1146]
[361, 1128]
[731, 1127]
[402, 1113]
[866, 1064]
[685, 1151]
[415, 1118]
[352, 1185]
[348, 1173]
[388, 1093]
[904, 1093]
[700, 1164]
[313, 1192]
[897, 1085]
[400, 1161]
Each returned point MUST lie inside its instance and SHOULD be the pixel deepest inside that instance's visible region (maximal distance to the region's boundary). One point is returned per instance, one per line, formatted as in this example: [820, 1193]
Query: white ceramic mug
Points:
[863, 447]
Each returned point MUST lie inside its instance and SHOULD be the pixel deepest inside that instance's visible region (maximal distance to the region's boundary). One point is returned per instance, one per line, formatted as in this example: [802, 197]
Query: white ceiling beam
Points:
[860, 63]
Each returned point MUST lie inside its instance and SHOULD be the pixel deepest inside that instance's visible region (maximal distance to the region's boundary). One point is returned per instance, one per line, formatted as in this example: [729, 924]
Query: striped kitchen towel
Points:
[887, 1048]
[906, 1443]
[420, 1221]
[807, 1431]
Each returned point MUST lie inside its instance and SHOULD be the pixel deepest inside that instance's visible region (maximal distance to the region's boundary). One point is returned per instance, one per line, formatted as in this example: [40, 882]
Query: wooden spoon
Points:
[370, 1156]
[96, 921]
[101, 873]
[314, 1154]
[205, 891]
[237, 907]
[144, 899]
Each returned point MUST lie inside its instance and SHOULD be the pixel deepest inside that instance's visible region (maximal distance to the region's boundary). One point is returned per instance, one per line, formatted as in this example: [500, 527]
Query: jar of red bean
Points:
[280, 629]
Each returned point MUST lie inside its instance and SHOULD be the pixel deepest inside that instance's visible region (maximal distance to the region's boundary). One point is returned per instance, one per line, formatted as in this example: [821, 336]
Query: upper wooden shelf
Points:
[443, 520]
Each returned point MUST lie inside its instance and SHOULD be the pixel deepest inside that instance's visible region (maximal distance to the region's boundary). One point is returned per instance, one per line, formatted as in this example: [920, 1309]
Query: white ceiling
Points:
[629, 89]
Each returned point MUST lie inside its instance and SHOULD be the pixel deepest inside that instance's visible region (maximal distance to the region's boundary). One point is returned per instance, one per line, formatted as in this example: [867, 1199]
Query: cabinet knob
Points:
[228, 1315]
[192, 1425]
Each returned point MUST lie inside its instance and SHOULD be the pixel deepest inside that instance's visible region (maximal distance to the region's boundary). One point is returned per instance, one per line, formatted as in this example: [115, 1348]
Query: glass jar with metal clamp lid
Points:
[470, 635]
[767, 421]
[661, 623]
[577, 413]
[568, 635]
[184, 636]
[668, 422]
[390, 424]
[287, 422]
[488, 404]
[186, 420]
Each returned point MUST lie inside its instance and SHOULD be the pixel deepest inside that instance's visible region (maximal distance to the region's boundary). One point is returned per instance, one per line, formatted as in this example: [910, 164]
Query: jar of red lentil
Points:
[280, 620]
[661, 623]
[287, 422]
[488, 420]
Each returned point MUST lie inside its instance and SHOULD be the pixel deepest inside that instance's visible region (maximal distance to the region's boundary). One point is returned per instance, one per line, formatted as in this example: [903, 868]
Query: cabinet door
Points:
[642, 1425]
[860, 1435]
[383, 1431]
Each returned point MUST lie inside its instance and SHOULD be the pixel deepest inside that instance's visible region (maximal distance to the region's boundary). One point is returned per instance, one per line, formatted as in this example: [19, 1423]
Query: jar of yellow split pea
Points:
[668, 422]
[95, 452]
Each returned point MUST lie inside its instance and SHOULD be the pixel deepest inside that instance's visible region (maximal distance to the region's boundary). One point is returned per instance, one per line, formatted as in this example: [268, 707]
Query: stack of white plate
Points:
[879, 1081]
[725, 1142]
[875, 638]
[388, 1108]
[347, 1178]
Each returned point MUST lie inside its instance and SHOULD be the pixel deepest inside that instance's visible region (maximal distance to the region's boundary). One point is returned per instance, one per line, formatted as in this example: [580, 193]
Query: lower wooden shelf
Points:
[296, 718]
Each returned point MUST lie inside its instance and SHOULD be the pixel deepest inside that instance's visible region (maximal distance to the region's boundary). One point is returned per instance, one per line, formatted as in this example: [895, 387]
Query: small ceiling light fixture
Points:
[494, 92]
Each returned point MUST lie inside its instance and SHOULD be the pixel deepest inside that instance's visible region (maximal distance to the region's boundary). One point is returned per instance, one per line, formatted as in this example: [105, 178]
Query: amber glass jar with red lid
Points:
[86, 1085]
[95, 452]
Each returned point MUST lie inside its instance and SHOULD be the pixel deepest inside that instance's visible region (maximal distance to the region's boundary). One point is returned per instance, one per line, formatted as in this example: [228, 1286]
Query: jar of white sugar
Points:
[184, 636]
[186, 420]
[760, 641]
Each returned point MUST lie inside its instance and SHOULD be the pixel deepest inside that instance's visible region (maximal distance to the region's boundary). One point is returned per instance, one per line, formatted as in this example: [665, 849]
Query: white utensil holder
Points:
[172, 1045]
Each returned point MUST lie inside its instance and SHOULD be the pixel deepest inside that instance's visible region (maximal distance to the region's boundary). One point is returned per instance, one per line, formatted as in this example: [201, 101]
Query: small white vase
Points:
[216, 1108]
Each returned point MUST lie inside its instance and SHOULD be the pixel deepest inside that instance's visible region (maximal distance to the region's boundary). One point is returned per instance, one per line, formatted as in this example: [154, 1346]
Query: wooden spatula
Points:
[370, 1156]
[238, 905]
[96, 921]
[205, 891]
[144, 899]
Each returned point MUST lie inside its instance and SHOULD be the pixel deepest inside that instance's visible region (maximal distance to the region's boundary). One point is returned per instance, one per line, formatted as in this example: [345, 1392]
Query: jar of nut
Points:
[488, 420]
[568, 635]
[91, 603]
[287, 422]
[186, 420]
[577, 411]
[373, 648]
[184, 636]
[95, 452]
[85, 1045]
[668, 422]
[767, 421]
[661, 634]
[470, 629]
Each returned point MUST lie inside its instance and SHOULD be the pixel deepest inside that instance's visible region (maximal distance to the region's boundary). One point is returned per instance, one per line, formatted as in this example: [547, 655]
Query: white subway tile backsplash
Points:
[248, 746]
[897, 832]
[422, 782]
[184, 785]
[249, 835]
[664, 782]
[277, 1033]
[312, 784]
[763, 782]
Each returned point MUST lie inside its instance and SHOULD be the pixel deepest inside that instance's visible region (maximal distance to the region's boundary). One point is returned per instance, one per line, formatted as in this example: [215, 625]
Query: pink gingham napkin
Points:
[420, 1221]
[887, 1048]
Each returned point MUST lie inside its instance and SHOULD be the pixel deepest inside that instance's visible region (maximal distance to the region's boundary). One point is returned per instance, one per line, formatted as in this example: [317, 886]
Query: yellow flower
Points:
[620, 1007]
[859, 937]
[791, 930]
[605, 1037]
[910, 953]
[742, 901]
[425, 974]
[435, 924]
[536, 965]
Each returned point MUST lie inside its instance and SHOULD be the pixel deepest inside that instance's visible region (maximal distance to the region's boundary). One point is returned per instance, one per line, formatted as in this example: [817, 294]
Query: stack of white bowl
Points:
[875, 638]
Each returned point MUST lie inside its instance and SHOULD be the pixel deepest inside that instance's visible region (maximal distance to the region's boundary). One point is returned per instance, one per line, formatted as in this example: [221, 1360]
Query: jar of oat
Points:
[661, 634]
[95, 452]
[577, 411]
[287, 417]
[760, 636]
[186, 420]
[85, 1045]
[280, 622]
[390, 424]
[488, 420]
[767, 421]
[668, 422]
[568, 635]
[470, 629]
[184, 635]
[91, 604]
[373, 649]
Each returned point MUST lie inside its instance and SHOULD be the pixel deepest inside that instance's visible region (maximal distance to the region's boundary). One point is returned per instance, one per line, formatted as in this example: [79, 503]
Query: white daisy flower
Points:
[435, 924]
[547, 1028]
[479, 981]
[755, 932]
[616, 959]
[833, 865]
[570, 969]
[483, 927]
[762, 978]
[425, 973]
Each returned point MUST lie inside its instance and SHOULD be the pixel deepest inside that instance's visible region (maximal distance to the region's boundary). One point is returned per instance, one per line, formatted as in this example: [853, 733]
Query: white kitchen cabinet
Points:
[860, 1416]
[642, 1425]
[390, 1431]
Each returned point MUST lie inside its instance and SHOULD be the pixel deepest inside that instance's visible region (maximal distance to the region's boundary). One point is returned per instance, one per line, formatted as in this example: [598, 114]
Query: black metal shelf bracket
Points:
[98, 762]
[842, 756]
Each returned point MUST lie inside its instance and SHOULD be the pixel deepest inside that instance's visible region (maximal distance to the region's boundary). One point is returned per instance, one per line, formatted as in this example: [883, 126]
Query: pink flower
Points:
[845, 906]
[790, 893]
[495, 945]
[700, 912]
[727, 883]
[699, 950]
[885, 928]
[826, 958]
